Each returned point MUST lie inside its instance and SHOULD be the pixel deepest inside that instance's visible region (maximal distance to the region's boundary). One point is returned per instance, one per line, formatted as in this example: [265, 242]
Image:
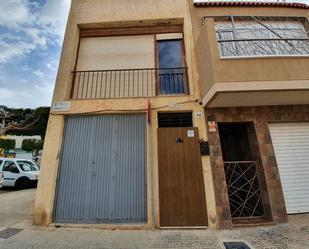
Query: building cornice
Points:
[250, 4]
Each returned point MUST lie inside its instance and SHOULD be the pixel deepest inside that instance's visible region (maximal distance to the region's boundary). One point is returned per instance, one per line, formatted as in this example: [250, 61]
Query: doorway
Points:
[241, 162]
[181, 184]
[102, 171]
[291, 145]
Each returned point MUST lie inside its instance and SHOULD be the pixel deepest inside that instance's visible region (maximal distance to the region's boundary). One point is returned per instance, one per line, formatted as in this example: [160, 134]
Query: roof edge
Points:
[251, 4]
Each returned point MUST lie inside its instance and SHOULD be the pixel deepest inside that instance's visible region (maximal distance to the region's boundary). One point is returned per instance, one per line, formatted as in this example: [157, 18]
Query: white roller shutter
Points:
[116, 52]
[291, 145]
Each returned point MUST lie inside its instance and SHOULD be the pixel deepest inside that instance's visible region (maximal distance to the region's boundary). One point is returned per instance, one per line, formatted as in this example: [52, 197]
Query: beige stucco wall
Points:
[46, 189]
[213, 69]
[122, 13]
[49, 167]
[111, 13]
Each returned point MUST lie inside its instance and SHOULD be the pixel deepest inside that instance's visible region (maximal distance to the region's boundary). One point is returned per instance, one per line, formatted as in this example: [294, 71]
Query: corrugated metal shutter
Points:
[291, 145]
[102, 175]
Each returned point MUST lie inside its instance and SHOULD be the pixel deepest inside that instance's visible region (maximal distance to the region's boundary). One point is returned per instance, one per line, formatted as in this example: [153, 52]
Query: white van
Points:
[19, 173]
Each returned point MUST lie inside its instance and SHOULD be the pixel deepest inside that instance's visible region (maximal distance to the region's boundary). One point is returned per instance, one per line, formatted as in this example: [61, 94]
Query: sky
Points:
[31, 35]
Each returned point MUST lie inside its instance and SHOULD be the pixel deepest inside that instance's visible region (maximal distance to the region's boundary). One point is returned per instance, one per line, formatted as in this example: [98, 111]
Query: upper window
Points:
[171, 73]
[170, 53]
[262, 36]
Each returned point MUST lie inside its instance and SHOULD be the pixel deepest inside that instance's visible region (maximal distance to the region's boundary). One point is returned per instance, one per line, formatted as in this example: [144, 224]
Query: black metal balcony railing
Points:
[127, 83]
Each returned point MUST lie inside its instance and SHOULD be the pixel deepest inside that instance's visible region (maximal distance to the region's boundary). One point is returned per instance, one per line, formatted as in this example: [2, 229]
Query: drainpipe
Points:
[151, 165]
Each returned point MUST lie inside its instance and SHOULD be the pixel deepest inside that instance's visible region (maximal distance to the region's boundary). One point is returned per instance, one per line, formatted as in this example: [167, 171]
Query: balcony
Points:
[243, 36]
[253, 60]
[129, 83]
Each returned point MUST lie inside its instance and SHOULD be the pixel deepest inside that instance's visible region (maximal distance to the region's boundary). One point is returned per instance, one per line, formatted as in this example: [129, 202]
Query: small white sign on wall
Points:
[62, 106]
[174, 106]
[198, 114]
[190, 133]
[212, 126]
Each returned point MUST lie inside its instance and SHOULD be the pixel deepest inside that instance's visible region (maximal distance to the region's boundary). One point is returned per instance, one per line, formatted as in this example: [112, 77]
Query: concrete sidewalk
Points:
[16, 208]
[294, 235]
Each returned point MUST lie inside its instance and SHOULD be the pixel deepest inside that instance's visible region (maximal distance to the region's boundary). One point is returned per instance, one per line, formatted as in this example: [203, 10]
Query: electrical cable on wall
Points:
[118, 110]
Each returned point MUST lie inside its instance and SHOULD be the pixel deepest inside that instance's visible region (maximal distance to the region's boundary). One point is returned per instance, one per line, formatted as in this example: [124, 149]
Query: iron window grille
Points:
[178, 119]
[262, 36]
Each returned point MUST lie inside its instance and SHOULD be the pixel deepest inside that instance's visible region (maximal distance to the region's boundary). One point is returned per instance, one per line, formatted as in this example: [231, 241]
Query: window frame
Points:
[184, 62]
[230, 19]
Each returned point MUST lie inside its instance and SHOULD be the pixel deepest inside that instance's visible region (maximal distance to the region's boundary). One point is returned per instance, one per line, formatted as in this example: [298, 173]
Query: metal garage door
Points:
[102, 174]
[291, 145]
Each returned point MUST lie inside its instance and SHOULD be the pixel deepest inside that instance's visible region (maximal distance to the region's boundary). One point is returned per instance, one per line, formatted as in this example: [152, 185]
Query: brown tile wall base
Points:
[252, 222]
[260, 116]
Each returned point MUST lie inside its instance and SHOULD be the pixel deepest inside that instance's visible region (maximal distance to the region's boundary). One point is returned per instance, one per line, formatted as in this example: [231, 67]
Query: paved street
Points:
[16, 207]
[2, 191]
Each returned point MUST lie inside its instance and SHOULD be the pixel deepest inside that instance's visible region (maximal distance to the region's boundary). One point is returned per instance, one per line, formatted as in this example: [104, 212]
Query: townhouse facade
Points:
[178, 114]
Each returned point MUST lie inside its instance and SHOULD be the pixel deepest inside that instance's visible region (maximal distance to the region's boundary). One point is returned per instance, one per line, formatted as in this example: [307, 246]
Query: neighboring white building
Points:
[19, 139]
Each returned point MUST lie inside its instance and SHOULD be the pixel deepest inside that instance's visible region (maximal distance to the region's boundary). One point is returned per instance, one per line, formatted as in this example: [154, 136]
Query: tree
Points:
[7, 144]
[38, 128]
[16, 119]
[32, 145]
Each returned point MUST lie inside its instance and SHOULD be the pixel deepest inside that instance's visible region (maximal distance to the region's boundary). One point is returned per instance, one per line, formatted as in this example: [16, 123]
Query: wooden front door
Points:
[181, 185]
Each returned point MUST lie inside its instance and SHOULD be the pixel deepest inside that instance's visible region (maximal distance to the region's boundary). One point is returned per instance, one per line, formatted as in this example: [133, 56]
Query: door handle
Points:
[179, 140]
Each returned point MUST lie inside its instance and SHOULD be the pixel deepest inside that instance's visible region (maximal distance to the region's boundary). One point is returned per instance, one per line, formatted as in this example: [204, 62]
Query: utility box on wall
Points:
[204, 147]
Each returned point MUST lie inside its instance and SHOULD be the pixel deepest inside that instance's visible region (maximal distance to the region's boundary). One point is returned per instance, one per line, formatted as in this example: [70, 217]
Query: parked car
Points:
[1, 179]
[19, 173]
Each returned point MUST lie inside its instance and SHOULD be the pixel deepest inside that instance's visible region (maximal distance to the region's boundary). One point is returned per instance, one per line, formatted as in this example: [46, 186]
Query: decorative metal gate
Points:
[244, 191]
